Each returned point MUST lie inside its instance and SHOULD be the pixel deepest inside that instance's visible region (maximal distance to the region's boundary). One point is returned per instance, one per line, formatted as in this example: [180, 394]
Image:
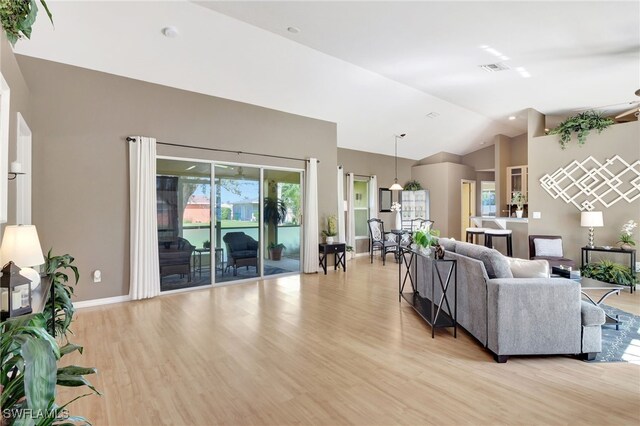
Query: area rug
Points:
[621, 345]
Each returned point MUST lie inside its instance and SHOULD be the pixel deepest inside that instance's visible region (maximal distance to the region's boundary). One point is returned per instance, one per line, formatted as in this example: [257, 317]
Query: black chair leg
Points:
[509, 246]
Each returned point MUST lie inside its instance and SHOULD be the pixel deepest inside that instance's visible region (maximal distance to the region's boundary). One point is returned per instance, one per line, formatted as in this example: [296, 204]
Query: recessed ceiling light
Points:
[433, 114]
[171, 32]
[293, 30]
[512, 117]
[482, 143]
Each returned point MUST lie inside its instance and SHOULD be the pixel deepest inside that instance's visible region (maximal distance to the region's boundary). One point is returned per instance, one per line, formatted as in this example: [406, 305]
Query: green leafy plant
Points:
[29, 373]
[275, 211]
[581, 124]
[18, 16]
[206, 244]
[332, 226]
[279, 246]
[349, 249]
[57, 268]
[412, 185]
[518, 199]
[425, 237]
[609, 272]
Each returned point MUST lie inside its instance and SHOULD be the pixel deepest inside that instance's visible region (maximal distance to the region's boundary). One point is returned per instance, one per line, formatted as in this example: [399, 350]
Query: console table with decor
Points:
[339, 259]
[586, 258]
[445, 273]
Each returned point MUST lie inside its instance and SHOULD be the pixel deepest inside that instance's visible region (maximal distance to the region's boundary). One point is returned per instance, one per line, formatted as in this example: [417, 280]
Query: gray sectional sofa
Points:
[516, 316]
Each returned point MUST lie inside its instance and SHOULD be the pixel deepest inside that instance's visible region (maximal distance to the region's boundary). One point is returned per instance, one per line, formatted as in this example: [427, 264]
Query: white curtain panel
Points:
[351, 217]
[341, 217]
[373, 197]
[144, 265]
[310, 218]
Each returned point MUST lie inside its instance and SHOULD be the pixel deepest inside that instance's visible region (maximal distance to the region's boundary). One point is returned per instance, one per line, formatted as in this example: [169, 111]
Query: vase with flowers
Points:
[332, 229]
[424, 238]
[626, 235]
[518, 198]
[397, 207]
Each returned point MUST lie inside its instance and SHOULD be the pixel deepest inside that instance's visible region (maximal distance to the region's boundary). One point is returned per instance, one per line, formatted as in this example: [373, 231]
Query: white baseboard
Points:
[99, 302]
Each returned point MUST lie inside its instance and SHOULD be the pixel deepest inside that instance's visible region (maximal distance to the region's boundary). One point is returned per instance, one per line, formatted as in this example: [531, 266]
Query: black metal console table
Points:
[432, 313]
[586, 257]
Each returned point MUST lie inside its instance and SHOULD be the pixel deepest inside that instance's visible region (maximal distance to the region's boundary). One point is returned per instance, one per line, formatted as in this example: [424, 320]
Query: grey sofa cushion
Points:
[591, 314]
[448, 244]
[494, 262]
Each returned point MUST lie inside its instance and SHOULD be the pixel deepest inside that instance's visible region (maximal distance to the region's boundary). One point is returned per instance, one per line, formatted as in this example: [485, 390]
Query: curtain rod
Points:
[365, 176]
[132, 139]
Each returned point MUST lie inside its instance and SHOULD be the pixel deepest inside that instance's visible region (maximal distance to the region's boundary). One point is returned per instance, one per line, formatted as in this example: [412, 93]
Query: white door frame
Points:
[5, 113]
[23, 186]
[472, 204]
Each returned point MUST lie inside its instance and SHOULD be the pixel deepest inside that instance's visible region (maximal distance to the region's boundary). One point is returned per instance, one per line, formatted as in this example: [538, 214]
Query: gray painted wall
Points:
[80, 120]
[367, 164]
[560, 218]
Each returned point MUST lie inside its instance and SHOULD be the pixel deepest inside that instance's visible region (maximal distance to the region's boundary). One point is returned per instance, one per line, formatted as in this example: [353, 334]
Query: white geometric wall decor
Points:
[585, 183]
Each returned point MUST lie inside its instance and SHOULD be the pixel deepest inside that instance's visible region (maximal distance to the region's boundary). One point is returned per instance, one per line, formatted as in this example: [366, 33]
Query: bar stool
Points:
[473, 234]
[490, 234]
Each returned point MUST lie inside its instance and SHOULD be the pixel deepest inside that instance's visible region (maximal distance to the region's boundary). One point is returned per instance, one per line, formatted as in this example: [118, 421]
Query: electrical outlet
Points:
[97, 276]
[537, 215]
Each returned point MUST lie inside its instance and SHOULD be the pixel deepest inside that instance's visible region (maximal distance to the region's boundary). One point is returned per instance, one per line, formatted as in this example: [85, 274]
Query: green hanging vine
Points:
[581, 124]
[18, 16]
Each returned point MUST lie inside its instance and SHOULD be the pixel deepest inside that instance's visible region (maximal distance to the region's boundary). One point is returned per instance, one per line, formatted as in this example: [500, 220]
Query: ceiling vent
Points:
[499, 66]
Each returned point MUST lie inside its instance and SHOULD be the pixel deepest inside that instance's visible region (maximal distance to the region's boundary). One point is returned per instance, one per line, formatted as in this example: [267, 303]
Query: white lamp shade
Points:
[21, 245]
[396, 187]
[591, 219]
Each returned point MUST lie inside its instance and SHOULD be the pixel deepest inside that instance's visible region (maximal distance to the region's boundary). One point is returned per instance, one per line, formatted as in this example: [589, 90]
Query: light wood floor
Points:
[335, 349]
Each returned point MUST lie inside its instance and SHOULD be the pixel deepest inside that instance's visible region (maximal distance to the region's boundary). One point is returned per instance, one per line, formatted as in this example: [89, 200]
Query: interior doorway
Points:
[468, 204]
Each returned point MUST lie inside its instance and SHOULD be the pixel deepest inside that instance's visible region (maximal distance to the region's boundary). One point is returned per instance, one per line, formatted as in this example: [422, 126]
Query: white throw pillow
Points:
[523, 268]
[548, 248]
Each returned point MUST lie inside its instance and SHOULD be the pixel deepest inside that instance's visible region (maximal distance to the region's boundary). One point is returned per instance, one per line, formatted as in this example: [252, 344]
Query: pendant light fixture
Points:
[396, 186]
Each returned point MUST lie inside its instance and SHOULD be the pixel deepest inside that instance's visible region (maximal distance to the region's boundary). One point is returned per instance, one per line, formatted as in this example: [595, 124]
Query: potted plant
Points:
[350, 252]
[626, 235]
[18, 16]
[425, 238]
[332, 229]
[609, 272]
[206, 244]
[412, 185]
[274, 213]
[275, 251]
[518, 199]
[582, 124]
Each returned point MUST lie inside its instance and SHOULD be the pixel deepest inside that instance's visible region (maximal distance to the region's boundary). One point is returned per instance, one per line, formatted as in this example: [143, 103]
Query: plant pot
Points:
[425, 250]
[626, 246]
[519, 213]
[328, 240]
[275, 253]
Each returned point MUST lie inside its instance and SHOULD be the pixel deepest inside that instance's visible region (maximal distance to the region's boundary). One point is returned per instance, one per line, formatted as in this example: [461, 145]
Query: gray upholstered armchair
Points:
[242, 250]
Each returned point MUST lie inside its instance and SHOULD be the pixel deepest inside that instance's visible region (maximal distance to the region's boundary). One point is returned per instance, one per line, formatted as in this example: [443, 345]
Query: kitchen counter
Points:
[500, 221]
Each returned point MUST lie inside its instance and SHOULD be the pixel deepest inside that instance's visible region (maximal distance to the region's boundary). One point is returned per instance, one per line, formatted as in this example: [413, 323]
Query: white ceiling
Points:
[375, 68]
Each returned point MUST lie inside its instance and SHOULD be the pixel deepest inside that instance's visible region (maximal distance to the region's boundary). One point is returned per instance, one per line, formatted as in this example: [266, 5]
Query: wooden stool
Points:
[472, 233]
[490, 234]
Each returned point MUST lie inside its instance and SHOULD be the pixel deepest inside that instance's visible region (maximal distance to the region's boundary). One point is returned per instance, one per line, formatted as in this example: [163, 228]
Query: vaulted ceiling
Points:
[375, 68]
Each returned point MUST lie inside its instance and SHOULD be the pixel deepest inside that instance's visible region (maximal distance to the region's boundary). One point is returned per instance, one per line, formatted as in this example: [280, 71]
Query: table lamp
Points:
[591, 220]
[21, 245]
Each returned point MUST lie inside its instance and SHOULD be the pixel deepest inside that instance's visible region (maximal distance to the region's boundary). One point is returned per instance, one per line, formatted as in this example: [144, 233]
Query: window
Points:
[361, 207]
[488, 190]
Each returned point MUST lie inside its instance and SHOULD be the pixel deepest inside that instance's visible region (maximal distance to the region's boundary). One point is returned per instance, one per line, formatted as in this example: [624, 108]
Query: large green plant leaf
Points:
[39, 373]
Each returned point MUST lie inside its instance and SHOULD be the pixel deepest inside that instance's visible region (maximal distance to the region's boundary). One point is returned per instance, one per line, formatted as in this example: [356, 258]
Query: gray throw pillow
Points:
[494, 262]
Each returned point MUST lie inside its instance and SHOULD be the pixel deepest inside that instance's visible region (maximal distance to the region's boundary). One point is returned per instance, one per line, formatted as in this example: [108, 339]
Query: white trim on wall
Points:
[5, 108]
[23, 183]
[100, 302]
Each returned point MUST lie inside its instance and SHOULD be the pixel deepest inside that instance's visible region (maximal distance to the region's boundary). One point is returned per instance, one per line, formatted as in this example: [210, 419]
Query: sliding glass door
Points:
[183, 190]
[219, 223]
[238, 216]
[282, 220]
